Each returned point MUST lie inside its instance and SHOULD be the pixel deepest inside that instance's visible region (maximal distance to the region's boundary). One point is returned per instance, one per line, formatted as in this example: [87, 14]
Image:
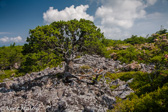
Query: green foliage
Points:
[136, 40]
[145, 50]
[150, 39]
[9, 74]
[128, 55]
[49, 44]
[162, 31]
[123, 75]
[85, 67]
[9, 56]
[108, 42]
[77, 57]
[148, 97]
[114, 86]
[162, 41]
[40, 60]
[96, 47]
[153, 102]
[118, 42]
[6, 74]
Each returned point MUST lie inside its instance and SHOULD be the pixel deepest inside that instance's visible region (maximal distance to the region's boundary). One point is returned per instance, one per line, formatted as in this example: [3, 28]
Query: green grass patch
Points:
[6, 74]
[9, 74]
[122, 75]
[77, 57]
[84, 67]
[114, 86]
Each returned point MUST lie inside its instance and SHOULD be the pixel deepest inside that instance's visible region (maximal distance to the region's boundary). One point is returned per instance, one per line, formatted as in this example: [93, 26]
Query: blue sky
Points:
[118, 19]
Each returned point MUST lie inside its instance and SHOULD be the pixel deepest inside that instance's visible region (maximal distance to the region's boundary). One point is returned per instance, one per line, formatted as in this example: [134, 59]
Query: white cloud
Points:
[12, 39]
[117, 17]
[114, 32]
[68, 13]
[121, 13]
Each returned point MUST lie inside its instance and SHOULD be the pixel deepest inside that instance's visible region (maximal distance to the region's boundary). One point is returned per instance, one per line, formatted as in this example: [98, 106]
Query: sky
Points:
[117, 19]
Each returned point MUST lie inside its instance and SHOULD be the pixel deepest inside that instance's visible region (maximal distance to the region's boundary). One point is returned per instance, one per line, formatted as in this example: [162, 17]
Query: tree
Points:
[62, 39]
[161, 31]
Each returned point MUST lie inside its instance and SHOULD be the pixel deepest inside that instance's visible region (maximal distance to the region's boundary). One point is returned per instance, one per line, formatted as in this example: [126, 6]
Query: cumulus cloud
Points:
[118, 19]
[121, 13]
[12, 39]
[119, 16]
[114, 32]
[68, 13]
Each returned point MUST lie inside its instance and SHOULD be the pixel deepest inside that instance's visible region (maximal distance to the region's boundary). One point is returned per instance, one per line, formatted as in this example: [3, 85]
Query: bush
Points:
[9, 56]
[128, 55]
[136, 40]
[150, 102]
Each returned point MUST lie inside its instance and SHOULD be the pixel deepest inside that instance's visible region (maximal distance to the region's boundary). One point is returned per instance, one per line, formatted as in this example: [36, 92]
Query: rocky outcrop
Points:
[48, 91]
[134, 66]
[96, 62]
[122, 89]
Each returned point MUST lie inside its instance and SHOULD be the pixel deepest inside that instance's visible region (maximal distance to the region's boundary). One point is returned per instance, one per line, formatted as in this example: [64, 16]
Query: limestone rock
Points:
[45, 92]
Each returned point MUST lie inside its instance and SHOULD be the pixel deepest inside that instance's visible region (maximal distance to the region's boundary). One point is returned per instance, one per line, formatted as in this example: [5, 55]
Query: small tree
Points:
[64, 39]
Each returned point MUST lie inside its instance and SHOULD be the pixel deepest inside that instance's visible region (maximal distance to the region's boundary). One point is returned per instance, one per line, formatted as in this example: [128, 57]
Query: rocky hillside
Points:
[86, 89]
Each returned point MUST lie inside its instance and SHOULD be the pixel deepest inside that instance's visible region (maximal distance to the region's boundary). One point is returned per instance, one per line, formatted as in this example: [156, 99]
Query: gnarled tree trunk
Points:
[69, 66]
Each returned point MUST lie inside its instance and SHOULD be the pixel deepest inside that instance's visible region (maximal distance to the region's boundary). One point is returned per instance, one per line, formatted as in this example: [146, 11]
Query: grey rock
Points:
[44, 92]
[117, 82]
[108, 101]
[130, 81]
[122, 91]
[16, 66]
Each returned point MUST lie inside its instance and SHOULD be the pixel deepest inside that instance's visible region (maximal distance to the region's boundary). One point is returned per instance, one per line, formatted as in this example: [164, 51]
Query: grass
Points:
[122, 75]
[84, 67]
[77, 57]
[9, 74]
[114, 86]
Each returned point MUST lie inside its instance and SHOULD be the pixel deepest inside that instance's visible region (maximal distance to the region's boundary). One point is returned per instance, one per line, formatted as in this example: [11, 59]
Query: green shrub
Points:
[9, 74]
[136, 40]
[9, 56]
[156, 101]
[77, 57]
[84, 67]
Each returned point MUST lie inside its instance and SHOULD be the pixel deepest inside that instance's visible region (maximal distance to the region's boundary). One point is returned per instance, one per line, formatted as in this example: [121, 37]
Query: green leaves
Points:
[40, 60]
[136, 40]
[148, 97]
[9, 56]
[49, 44]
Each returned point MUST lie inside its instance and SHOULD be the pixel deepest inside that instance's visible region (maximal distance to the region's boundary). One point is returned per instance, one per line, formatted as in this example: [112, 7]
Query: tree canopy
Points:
[61, 39]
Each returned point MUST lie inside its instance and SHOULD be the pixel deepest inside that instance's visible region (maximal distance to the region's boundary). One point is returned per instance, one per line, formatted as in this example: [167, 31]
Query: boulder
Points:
[16, 66]
[134, 66]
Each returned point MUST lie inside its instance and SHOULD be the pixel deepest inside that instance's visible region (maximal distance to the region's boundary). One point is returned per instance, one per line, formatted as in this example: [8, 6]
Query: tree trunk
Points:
[69, 66]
